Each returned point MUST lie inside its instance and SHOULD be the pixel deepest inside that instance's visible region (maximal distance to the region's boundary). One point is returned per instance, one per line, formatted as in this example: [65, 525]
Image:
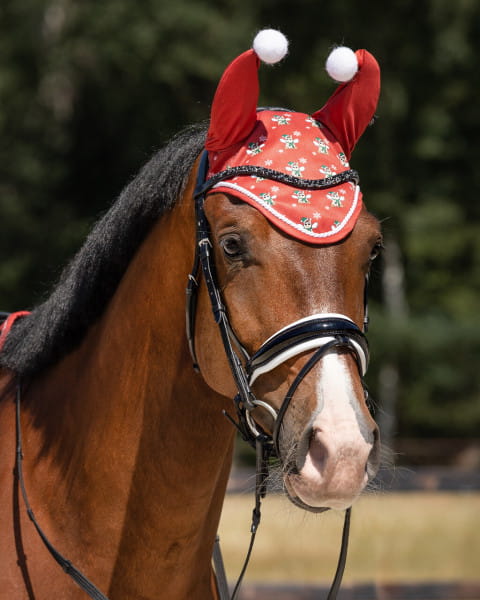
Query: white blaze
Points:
[334, 472]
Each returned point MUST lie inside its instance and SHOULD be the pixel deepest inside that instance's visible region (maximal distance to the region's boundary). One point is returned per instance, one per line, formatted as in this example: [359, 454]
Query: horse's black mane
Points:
[86, 285]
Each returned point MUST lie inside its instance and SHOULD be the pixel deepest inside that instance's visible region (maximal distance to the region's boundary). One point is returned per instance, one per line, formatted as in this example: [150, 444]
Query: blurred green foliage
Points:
[89, 89]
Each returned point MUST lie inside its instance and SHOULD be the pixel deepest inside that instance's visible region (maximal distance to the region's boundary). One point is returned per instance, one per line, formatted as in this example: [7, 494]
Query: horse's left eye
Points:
[232, 246]
[376, 251]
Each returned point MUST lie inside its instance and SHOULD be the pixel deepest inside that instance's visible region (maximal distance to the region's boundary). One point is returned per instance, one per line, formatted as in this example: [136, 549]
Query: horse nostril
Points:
[373, 462]
[313, 446]
[318, 449]
[303, 448]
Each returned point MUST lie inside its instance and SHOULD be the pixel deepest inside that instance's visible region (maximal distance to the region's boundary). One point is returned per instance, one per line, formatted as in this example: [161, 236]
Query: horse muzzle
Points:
[334, 470]
[335, 457]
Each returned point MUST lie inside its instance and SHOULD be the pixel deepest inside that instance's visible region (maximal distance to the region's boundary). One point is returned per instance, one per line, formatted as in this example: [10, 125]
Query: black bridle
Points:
[323, 333]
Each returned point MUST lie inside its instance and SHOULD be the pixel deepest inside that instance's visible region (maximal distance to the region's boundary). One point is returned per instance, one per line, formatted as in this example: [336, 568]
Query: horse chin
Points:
[304, 496]
[301, 504]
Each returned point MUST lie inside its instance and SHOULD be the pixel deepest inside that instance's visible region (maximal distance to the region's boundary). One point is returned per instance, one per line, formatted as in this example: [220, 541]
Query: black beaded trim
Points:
[296, 182]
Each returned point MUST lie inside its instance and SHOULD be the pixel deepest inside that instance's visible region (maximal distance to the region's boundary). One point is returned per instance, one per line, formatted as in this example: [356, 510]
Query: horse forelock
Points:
[86, 285]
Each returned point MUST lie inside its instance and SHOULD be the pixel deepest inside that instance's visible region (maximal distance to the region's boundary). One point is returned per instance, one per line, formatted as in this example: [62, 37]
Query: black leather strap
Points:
[338, 341]
[342, 559]
[192, 284]
[87, 586]
[219, 313]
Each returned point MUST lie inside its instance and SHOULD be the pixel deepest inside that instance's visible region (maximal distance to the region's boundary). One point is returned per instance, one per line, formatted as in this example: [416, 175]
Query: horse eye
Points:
[232, 246]
[376, 251]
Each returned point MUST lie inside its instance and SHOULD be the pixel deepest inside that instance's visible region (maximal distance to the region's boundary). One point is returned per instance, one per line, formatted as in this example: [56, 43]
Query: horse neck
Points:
[130, 435]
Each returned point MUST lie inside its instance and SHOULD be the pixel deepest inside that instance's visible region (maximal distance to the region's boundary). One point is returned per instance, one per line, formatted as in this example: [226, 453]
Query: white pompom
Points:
[342, 64]
[270, 45]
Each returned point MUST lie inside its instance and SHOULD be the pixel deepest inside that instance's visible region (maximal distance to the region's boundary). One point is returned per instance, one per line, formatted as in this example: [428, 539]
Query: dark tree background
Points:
[88, 90]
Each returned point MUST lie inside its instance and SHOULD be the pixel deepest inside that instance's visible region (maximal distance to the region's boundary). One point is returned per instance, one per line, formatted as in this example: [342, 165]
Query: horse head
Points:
[287, 246]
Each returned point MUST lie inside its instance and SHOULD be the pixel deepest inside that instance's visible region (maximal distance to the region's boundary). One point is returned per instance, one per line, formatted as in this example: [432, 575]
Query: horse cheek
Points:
[212, 359]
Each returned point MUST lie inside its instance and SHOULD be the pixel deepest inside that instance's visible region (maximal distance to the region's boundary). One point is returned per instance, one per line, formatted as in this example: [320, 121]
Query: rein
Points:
[7, 320]
[87, 586]
[322, 332]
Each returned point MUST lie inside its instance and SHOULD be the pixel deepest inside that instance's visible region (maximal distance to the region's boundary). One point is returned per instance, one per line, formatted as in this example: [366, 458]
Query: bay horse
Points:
[126, 450]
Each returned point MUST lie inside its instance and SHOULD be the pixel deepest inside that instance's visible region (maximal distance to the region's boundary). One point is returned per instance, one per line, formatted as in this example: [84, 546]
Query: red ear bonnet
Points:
[234, 109]
[296, 145]
[352, 106]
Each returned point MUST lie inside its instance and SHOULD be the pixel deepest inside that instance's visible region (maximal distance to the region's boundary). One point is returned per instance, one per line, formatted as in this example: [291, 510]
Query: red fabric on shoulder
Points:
[352, 106]
[8, 323]
[234, 109]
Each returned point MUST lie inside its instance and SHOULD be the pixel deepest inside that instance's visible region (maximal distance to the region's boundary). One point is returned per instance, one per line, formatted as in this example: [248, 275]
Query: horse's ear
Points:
[234, 110]
[352, 106]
